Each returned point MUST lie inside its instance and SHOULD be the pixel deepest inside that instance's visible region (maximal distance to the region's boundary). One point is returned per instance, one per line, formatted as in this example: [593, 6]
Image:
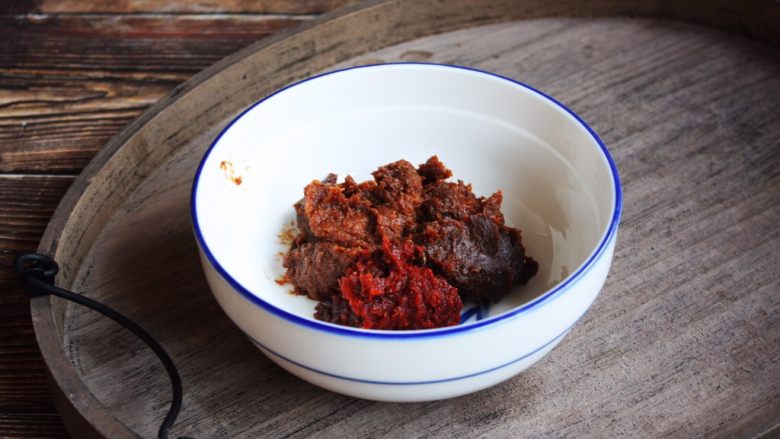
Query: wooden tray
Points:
[683, 340]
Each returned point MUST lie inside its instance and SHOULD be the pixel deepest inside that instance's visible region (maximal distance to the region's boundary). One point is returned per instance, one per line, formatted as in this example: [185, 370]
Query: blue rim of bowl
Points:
[409, 334]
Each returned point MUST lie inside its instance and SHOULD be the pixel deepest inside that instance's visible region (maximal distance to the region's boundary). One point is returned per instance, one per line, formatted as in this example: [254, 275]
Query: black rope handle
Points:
[36, 273]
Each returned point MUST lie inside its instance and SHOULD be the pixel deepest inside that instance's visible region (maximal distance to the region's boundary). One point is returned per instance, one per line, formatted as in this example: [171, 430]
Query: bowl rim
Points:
[334, 329]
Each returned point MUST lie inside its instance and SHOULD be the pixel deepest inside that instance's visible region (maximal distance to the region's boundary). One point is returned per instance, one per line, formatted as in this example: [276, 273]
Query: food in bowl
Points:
[559, 185]
[404, 250]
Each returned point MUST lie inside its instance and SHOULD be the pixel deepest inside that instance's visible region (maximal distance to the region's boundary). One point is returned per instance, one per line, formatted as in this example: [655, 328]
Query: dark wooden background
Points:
[73, 73]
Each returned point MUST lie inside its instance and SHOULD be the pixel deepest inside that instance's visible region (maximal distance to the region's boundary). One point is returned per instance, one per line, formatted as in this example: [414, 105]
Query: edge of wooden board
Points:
[216, 92]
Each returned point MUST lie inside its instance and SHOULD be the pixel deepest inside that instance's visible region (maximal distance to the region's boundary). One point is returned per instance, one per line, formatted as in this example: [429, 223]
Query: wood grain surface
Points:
[26, 408]
[72, 75]
[181, 6]
[682, 342]
[691, 350]
[70, 82]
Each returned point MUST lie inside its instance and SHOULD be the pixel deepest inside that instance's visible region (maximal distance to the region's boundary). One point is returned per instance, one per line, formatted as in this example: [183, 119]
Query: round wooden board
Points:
[683, 341]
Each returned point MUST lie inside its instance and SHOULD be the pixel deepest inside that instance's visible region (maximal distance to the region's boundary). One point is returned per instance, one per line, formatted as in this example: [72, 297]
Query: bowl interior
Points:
[496, 134]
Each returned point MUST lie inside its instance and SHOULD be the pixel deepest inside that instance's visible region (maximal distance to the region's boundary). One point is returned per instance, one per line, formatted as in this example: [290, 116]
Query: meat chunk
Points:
[365, 190]
[303, 224]
[399, 186]
[336, 309]
[332, 216]
[315, 267]
[433, 170]
[390, 223]
[444, 200]
[479, 257]
[491, 208]
[398, 193]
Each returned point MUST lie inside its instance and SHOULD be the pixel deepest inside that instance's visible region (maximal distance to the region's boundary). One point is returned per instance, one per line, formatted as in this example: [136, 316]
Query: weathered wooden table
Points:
[684, 341]
[72, 74]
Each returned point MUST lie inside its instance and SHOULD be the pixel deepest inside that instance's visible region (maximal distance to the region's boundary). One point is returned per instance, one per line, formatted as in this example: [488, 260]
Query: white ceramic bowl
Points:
[560, 187]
